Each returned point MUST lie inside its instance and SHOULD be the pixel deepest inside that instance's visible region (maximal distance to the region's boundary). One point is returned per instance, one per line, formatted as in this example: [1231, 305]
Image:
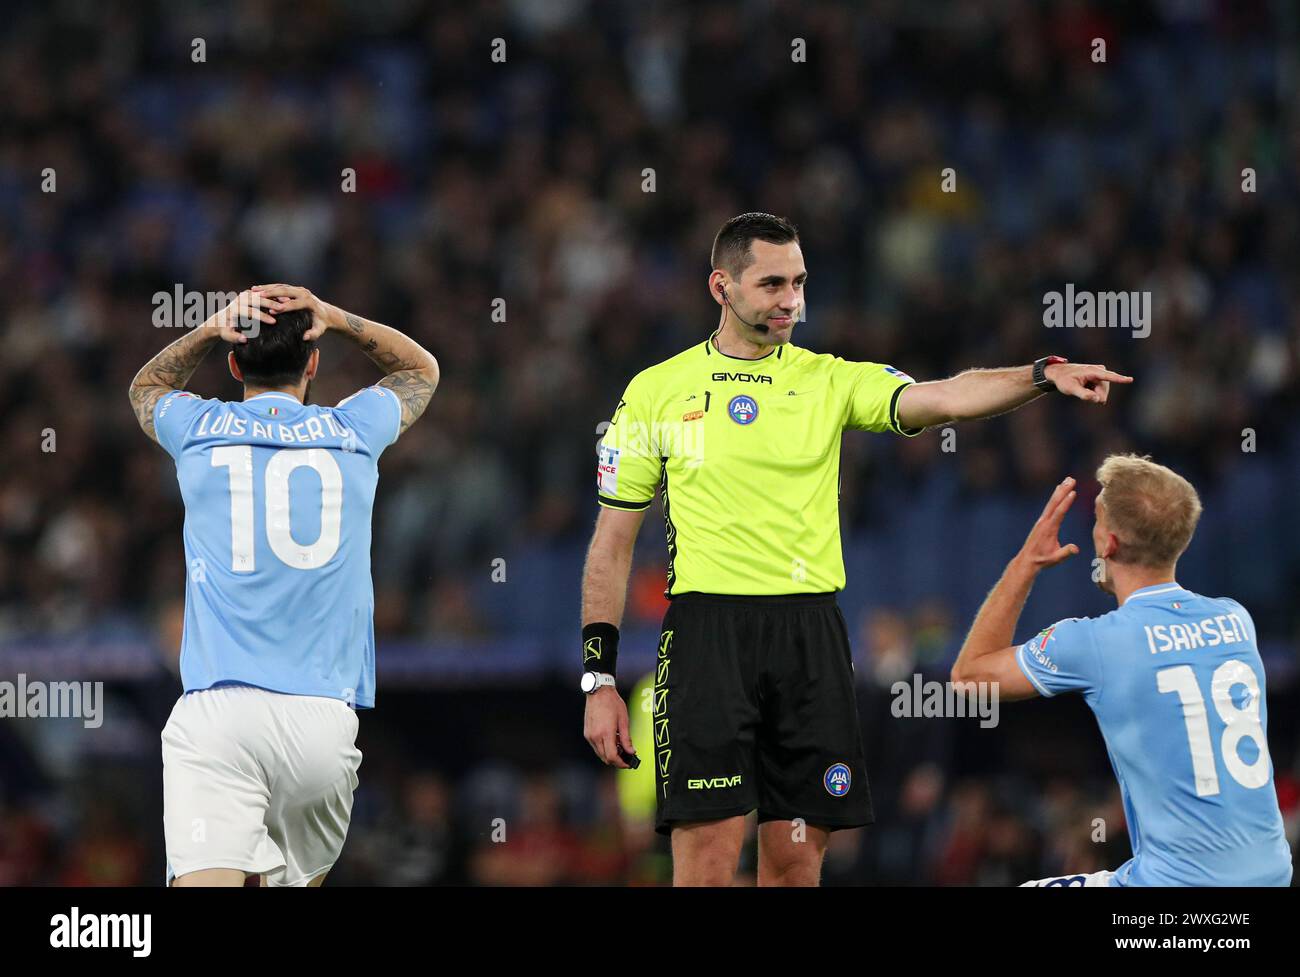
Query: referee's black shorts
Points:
[754, 708]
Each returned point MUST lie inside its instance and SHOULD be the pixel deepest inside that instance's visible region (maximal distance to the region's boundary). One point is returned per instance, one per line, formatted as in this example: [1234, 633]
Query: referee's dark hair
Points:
[731, 251]
[277, 355]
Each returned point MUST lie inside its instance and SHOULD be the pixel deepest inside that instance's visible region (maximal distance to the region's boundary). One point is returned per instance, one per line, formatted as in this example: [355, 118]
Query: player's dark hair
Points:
[731, 248]
[277, 356]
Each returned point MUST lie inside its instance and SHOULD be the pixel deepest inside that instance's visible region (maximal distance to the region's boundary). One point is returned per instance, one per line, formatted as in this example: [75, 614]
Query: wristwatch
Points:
[1040, 372]
[591, 681]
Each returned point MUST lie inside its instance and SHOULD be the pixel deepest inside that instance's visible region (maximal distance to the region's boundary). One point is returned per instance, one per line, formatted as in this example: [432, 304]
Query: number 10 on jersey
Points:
[239, 460]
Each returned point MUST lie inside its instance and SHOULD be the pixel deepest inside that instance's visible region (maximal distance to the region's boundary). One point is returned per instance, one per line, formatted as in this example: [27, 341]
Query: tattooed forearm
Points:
[389, 349]
[412, 373]
[143, 400]
[169, 370]
[389, 361]
[413, 389]
[174, 366]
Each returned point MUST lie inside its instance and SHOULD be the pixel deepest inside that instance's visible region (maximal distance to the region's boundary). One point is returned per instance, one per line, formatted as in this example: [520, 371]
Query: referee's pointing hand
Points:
[1087, 381]
[605, 725]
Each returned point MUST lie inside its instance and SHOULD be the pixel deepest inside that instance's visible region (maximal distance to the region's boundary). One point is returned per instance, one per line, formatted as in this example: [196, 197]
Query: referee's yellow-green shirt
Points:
[747, 453]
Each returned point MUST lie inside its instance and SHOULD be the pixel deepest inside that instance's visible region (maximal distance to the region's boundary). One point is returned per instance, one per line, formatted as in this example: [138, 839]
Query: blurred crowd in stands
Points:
[541, 221]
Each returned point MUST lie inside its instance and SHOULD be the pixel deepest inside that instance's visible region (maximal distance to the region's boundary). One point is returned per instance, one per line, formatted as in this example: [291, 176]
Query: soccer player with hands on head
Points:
[278, 653]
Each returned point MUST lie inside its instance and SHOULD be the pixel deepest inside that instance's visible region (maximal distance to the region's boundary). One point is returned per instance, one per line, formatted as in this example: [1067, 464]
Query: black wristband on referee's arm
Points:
[600, 648]
[1039, 375]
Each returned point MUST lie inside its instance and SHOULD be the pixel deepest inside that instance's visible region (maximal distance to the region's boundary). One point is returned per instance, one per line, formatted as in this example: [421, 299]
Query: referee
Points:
[753, 702]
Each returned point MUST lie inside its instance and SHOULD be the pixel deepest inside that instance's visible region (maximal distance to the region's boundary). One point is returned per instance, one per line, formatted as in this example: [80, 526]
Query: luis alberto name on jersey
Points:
[1177, 685]
[747, 453]
[278, 498]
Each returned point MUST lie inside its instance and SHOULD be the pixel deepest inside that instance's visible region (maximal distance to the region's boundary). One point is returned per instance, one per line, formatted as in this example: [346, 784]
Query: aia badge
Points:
[743, 409]
[838, 779]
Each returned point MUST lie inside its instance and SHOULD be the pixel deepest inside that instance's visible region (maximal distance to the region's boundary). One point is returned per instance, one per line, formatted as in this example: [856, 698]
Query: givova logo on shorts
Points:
[837, 779]
[712, 783]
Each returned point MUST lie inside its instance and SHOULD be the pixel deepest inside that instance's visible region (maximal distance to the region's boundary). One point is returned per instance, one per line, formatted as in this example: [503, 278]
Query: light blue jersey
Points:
[1177, 685]
[278, 498]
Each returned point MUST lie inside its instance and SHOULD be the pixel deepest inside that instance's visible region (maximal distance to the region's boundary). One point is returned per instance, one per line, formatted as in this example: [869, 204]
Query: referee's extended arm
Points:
[604, 592]
[986, 393]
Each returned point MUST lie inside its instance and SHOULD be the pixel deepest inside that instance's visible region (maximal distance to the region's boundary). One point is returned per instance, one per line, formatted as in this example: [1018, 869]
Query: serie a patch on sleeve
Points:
[898, 373]
[607, 471]
[1037, 646]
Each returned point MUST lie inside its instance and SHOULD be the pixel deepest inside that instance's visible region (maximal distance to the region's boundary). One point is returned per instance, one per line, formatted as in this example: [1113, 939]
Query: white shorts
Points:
[259, 781]
[1073, 881]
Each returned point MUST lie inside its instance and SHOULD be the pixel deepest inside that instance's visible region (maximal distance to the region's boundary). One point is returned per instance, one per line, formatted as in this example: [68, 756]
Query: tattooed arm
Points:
[412, 372]
[172, 368]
